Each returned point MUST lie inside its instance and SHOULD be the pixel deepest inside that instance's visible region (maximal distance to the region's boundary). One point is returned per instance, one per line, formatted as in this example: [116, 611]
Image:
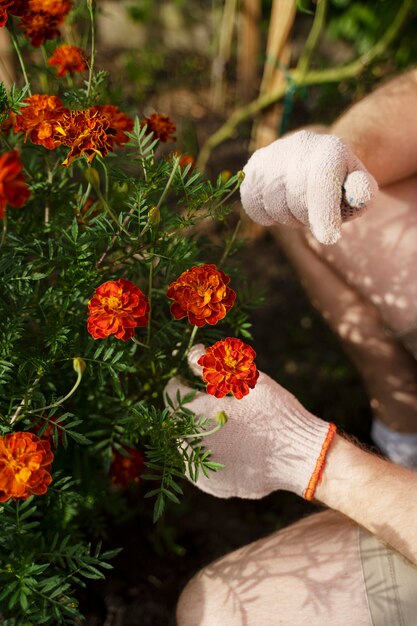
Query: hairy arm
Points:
[373, 492]
[381, 129]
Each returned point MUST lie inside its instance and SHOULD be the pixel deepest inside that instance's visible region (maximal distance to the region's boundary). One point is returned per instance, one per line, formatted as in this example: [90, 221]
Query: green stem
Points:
[93, 50]
[24, 400]
[191, 341]
[4, 233]
[62, 400]
[203, 434]
[150, 285]
[313, 37]
[138, 343]
[169, 182]
[314, 77]
[230, 243]
[19, 56]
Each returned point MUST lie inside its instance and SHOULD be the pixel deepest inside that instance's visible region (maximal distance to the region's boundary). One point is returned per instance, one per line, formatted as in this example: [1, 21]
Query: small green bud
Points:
[154, 215]
[240, 175]
[79, 364]
[221, 418]
[92, 176]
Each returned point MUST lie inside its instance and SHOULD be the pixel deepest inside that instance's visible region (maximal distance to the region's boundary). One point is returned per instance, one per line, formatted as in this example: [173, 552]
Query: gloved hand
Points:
[269, 442]
[307, 179]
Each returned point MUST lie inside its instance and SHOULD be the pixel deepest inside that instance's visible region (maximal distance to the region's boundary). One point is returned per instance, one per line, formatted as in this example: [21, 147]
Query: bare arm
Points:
[374, 493]
[381, 129]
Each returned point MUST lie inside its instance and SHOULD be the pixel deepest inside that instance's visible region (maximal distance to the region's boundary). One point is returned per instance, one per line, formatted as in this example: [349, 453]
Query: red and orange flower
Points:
[201, 294]
[25, 464]
[228, 367]
[117, 308]
[162, 127]
[86, 132]
[41, 19]
[126, 470]
[68, 60]
[10, 7]
[39, 120]
[119, 122]
[13, 185]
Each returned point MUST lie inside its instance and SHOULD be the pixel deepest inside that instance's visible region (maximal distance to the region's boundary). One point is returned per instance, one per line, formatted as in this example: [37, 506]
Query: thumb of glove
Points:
[194, 354]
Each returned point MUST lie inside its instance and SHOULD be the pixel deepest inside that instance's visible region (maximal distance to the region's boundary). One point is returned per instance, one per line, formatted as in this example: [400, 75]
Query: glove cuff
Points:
[303, 453]
[318, 470]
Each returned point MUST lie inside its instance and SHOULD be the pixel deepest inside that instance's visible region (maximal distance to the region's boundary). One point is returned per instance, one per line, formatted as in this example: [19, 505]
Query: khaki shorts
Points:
[390, 581]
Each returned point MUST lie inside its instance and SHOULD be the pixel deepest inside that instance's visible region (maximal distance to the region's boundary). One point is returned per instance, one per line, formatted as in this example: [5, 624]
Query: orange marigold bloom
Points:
[85, 132]
[125, 470]
[13, 186]
[161, 126]
[117, 308]
[229, 366]
[10, 7]
[68, 59]
[201, 294]
[25, 463]
[42, 18]
[119, 122]
[39, 119]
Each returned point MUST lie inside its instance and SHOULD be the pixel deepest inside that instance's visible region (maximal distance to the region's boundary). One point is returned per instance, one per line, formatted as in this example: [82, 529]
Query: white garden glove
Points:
[269, 442]
[307, 179]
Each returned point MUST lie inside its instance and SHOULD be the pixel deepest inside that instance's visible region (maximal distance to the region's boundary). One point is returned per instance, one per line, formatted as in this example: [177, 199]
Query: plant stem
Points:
[4, 233]
[148, 331]
[230, 243]
[203, 434]
[62, 400]
[139, 343]
[313, 77]
[24, 400]
[19, 56]
[169, 182]
[191, 341]
[93, 50]
[313, 37]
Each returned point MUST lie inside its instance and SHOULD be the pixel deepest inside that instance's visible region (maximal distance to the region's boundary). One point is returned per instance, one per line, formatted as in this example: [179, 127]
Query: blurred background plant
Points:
[233, 75]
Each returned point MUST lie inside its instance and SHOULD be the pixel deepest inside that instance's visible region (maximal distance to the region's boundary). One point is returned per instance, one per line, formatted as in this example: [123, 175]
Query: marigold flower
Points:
[201, 294]
[161, 126]
[39, 119]
[183, 160]
[119, 122]
[13, 186]
[125, 470]
[228, 366]
[25, 463]
[117, 308]
[68, 59]
[42, 18]
[10, 7]
[86, 132]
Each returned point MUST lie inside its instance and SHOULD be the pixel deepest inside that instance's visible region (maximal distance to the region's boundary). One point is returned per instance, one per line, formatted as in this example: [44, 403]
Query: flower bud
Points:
[79, 365]
[92, 176]
[221, 418]
[154, 215]
[240, 175]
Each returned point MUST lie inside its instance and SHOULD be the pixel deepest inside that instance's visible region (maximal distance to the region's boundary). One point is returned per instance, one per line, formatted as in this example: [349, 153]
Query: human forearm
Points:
[373, 492]
[381, 129]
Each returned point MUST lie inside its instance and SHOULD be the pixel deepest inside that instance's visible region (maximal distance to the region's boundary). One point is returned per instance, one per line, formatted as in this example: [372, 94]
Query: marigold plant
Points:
[107, 277]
